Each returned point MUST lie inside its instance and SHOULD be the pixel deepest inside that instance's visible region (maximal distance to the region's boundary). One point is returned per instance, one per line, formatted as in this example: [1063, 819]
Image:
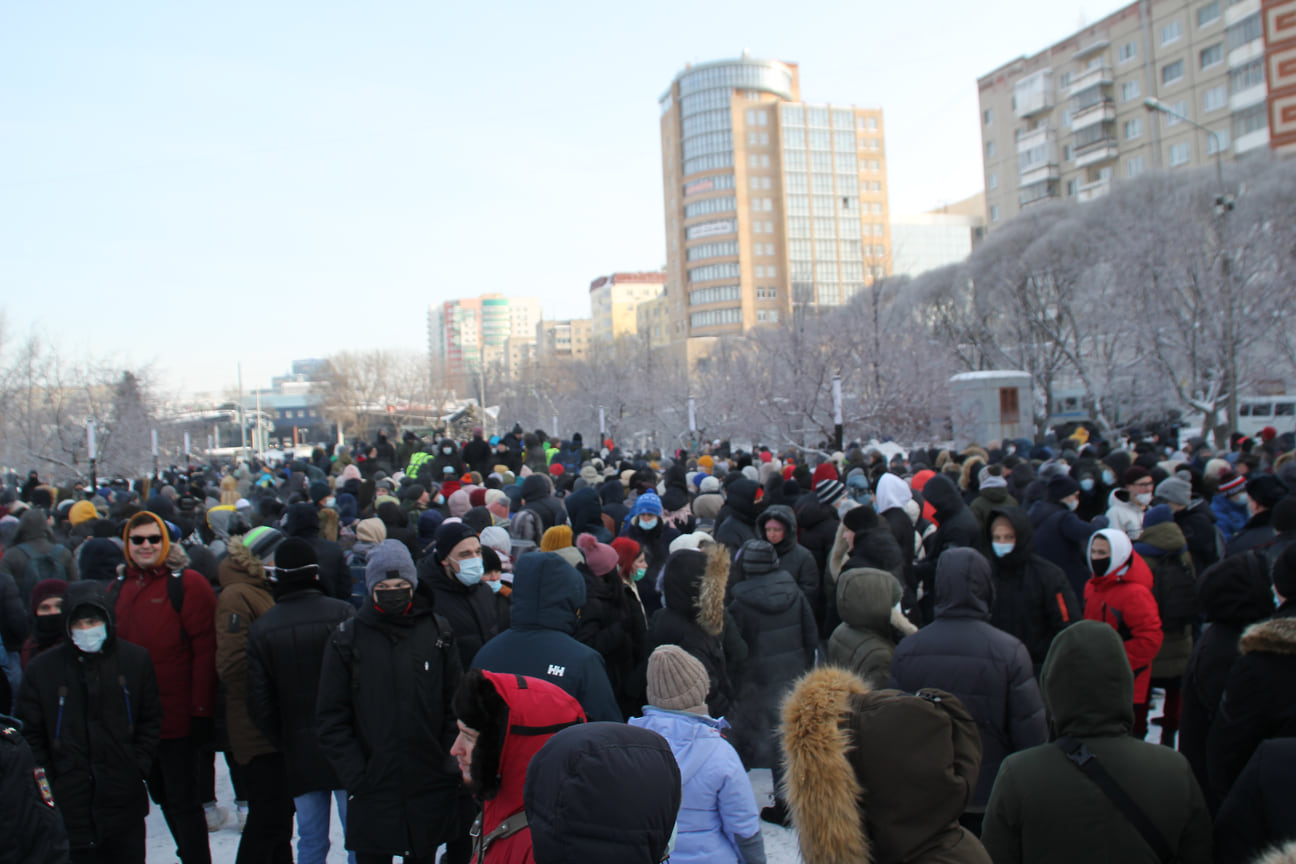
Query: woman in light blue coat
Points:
[718, 819]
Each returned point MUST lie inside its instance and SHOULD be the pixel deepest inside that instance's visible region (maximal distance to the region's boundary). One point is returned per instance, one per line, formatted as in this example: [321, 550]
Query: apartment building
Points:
[470, 334]
[772, 204]
[614, 299]
[1071, 120]
[557, 341]
[936, 238]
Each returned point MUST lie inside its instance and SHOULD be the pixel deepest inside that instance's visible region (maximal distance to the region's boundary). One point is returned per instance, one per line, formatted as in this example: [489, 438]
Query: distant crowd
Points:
[1069, 650]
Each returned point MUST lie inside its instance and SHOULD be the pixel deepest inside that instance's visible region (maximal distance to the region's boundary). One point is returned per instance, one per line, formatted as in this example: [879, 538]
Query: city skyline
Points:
[195, 188]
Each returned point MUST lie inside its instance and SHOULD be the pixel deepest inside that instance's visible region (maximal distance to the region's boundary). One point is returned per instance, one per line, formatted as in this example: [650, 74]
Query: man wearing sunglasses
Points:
[182, 643]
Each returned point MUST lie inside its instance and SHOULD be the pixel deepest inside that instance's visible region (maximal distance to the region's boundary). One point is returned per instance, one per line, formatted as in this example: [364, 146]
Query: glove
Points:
[202, 731]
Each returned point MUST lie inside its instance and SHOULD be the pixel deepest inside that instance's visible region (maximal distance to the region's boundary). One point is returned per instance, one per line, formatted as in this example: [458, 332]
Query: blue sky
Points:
[193, 185]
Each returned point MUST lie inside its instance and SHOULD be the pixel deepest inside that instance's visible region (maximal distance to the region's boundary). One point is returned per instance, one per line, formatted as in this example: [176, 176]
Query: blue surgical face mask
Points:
[1003, 549]
[495, 585]
[648, 523]
[1087, 484]
[1109, 478]
[91, 639]
[470, 571]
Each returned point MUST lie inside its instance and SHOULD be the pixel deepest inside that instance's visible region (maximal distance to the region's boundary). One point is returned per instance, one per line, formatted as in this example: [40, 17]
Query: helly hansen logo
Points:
[557, 671]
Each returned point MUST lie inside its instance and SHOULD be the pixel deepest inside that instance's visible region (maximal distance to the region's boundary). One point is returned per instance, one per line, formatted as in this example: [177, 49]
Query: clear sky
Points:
[196, 184]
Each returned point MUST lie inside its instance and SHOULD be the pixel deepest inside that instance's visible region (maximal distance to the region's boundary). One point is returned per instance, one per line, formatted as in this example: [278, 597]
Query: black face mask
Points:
[48, 627]
[1099, 565]
[393, 601]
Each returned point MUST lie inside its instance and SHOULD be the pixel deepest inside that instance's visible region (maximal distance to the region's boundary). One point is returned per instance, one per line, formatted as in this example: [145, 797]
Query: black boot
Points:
[777, 813]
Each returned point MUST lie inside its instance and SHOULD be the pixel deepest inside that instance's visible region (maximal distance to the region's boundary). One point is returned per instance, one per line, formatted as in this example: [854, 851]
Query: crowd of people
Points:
[517, 648]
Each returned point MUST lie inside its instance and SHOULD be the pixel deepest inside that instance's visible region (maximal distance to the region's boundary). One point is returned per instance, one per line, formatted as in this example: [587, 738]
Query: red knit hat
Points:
[825, 471]
[1231, 483]
[477, 497]
[787, 471]
[556, 469]
[627, 551]
[47, 588]
[766, 456]
[1268, 433]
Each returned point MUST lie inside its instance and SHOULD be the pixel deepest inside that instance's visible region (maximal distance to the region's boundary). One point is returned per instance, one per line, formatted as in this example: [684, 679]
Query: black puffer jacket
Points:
[1198, 525]
[818, 524]
[284, 655]
[1258, 532]
[740, 525]
[470, 611]
[93, 721]
[1032, 600]
[1260, 812]
[612, 627]
[775, 621]
[792, 556]
[987, 669]
[386, 727]
[957, 529]
[693, 590]
[1234, 594]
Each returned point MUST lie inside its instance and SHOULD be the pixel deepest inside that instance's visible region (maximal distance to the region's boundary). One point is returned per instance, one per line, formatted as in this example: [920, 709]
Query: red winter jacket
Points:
[1122, 598]
[183, 658]
[534, 705]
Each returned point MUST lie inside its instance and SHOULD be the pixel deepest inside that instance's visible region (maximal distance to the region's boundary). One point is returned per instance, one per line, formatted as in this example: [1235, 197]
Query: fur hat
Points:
[479, 706]
[389, 560]
[555, 538]
[677, 681]
[601, 558]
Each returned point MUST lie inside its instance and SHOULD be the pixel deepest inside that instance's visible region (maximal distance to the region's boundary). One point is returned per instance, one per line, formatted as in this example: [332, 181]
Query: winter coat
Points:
[989, 500]
[1122, 598]
[1233, 594]
[1260, 812]
[1124, 515]
[1256, 533]
[470, 611]
[613, 627]
[547, 596]
[334, 574]
[862, 642]
[183, 647]
[245, 596]
[93, 722]
[477, 455]
[1204, 541]
[1043, 808]
[15, 623]
[537, 710]
[1032, 598]
[1165, 551]
[718, 807]
[693, 617]
[1259, 700]
[1229, 515]
[285, 653]
[386, 726]
[817, 523]
[740, 525]
[989, 670]
[1062, 538]
[792, 556]
[655, 545]
[34, 539]
[956, 528]
[34, 832]
[892, 495]
[878, 776]
[774, 619]
[585, 511]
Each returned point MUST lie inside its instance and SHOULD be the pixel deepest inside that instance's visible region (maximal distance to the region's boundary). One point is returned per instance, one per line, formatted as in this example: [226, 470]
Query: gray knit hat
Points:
[756, 557]
[677, 681]
[1174, 491]
[389, 560]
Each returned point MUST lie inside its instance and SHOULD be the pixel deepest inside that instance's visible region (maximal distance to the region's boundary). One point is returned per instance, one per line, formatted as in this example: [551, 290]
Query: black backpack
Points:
[40, 566]
[1175, 588]
[175, 593]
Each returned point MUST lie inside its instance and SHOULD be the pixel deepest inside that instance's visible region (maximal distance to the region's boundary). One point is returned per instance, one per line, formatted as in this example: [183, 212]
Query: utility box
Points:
[992, 405]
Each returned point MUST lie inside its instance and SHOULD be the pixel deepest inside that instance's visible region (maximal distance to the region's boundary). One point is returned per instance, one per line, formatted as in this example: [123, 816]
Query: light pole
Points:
[1222, 202]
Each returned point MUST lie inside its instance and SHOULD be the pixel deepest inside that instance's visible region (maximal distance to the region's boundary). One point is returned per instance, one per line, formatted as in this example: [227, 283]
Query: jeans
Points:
[313, 810]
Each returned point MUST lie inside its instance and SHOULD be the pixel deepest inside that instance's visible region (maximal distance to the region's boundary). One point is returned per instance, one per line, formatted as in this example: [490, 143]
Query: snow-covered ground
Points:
[780, 843]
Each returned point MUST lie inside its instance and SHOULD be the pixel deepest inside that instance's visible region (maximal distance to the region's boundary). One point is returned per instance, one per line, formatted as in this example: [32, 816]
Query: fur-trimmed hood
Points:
[240, 566]
[693, 584]
[1275, 636]
[878, 776]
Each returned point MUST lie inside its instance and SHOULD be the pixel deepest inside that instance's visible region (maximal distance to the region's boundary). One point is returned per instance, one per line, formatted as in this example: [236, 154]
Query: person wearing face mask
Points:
[1230, 505]
[92, 717]
[1062, 537]
[1032, 599]
[245, 597]
[386, 724]
[47, 600]
[654, 536]
[453, 577]
[447, 456]
[1119, 593]
[992, 494]
[1126, 506]
[1263, 492]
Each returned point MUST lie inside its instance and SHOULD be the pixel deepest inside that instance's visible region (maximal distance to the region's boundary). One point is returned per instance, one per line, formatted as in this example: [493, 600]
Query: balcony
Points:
[1249, 97]
[1102, 150]
[1251, 141]
[1043, 190]
[1100, 75]
[1102, 111]
[1091, 191]
[1092, 48]
[1244, 54]
[1033, 94]
[1235, 13]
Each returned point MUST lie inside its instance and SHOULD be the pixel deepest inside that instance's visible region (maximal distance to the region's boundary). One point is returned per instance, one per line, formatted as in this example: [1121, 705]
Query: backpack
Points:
[356, 561]
[41, 566]
[1175, 589]
[175, 593]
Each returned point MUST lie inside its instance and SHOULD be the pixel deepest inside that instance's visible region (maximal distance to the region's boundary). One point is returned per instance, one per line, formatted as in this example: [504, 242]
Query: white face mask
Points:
[1144, 498]
[91, 639]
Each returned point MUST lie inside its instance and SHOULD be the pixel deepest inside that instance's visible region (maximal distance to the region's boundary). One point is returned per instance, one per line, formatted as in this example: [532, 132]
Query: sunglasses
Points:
[152, 540]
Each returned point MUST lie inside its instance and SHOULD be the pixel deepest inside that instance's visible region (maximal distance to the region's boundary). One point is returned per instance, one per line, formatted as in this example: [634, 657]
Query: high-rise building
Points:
[613, 300]
[1070, 120]
[469, 334]
[772, 204]
[561, 341]
[938, 237]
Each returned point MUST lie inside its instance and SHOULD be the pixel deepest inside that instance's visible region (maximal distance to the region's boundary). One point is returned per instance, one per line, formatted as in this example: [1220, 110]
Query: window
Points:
[843, 141]
[1180, 153]
[1134, 166]
[1009, 409]
[1251, 120]
[817, 117]
[1179, 108]
[1215, 98]
[1245, 77]
[715, 294]
[1171, 32]
[992, 181]
[1223, 137]
[1071, 188]
[1133, 128]
[994, 212]
[712, 250]
[1208, 14]
[1172, 72]
[709, 229]
[990, 149]
[1247, 30]
[1211, 55]
[1127, 52]
[714, 271]
[843, 119]
[793, 116]
[987, 116]
[716, 317]
[708, 184]
[1066, 152]
[1130, 90]
[710, 205]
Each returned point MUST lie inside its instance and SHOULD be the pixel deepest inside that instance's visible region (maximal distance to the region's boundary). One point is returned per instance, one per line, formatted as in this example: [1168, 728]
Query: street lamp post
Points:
[1222, 202]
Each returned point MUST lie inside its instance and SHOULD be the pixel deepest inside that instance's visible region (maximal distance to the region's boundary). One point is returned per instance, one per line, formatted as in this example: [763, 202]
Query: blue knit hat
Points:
[646, 504]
